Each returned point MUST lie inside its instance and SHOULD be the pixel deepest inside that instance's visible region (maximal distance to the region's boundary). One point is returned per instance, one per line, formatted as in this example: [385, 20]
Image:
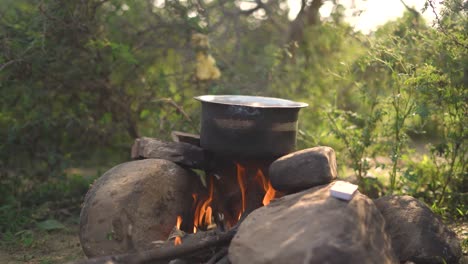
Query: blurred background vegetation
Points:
[79, 80]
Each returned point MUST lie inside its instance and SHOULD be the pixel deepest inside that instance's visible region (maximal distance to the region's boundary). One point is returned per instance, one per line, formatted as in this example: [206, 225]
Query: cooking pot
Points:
[248, 126]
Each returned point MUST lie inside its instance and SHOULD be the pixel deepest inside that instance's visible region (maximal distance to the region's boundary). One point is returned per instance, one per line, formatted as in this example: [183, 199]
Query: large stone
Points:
[313, 227]
[182, 153]
[132, 205]
[303, 169]
[417, 234]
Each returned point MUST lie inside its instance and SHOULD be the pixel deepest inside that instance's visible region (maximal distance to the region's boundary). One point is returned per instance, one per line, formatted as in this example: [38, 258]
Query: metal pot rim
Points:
[250, 101]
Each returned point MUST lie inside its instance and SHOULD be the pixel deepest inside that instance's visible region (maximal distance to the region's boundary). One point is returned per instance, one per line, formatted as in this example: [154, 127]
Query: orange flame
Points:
[195, 210]
[203, 210]
[178, 240]
[202, 205]
[179, 222]
[194, 196]
[266, 184]
[240, 180]
[269, 195]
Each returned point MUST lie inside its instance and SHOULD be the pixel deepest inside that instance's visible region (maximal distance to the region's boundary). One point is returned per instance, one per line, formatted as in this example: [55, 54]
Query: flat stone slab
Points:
[182, 153]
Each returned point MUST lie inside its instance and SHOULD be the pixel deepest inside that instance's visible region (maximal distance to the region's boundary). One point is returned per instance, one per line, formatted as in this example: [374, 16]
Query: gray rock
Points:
[313, 227]
[184, 154]
[132, 205]
[417, 234]
[303, 169]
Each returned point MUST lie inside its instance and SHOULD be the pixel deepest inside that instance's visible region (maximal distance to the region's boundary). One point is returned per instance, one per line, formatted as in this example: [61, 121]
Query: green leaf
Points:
[106, 119]
[460, 212]
[145, 113]
[50, 224]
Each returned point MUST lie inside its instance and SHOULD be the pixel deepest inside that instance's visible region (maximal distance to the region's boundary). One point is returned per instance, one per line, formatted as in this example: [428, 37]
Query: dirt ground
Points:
[58, 246]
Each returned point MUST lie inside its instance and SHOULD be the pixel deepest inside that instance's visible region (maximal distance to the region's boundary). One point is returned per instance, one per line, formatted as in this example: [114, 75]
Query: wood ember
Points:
[184, 154]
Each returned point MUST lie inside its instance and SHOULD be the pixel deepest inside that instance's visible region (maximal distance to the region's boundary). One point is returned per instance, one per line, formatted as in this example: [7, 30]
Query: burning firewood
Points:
[176, 233]
[193, 245]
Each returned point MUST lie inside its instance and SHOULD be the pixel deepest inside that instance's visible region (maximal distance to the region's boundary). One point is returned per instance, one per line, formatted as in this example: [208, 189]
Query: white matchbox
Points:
[343, 190]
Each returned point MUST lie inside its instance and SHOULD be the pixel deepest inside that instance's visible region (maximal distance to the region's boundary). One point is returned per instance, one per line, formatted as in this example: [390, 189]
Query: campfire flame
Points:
[270, 192]
[240, 180]
[266, 184]
[202, 205]
[194, 209]
[203, 210]
[178, 240]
